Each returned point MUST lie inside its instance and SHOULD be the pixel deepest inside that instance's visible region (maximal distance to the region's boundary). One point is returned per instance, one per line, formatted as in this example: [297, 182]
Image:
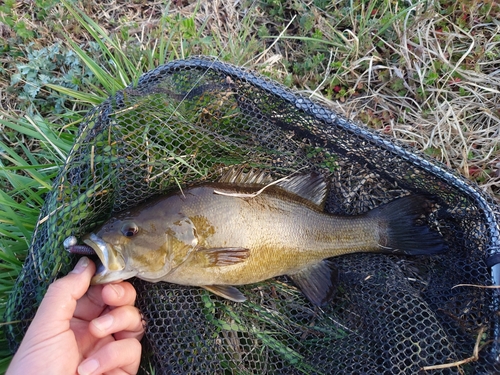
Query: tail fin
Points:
[401, 232]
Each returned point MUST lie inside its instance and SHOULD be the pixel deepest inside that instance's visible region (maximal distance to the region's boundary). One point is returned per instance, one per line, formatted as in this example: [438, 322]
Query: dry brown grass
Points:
[457, 121]
[432, 79]
[455, 116]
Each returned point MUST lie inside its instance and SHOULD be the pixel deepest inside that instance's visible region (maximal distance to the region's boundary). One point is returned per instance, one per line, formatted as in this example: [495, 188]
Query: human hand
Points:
[82, 330]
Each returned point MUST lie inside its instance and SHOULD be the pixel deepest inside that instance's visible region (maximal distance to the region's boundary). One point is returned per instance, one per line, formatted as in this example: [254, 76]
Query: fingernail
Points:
[104, 322]
[88, 367]
[118, 290]
[82, 264]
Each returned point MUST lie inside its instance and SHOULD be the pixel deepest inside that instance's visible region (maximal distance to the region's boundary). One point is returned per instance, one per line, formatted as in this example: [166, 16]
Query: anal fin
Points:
[226, 291]
[317, 282]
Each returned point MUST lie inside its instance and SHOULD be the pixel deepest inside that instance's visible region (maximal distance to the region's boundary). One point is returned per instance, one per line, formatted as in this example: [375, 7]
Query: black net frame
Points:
[186, 122]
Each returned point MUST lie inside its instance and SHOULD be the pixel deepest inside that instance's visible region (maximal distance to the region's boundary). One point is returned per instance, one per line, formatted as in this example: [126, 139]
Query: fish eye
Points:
[129, 229]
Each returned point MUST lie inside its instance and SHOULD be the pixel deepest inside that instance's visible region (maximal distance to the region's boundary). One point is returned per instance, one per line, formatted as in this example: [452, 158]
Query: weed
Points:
[8, 17]
[56, 65]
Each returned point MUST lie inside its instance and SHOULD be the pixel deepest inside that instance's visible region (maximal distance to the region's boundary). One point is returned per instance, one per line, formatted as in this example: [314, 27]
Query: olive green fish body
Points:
[217, 235]
[282, 235]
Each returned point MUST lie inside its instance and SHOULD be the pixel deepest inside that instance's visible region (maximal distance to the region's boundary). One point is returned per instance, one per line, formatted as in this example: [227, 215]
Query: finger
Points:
[123, 322]
[98, 297]
[61, 298]
[117, 372]
[121, 354]
[91, 304]
[119, 294]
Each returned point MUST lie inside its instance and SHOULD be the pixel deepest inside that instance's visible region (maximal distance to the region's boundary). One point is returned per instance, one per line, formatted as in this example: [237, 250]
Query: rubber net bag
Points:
[190, 120]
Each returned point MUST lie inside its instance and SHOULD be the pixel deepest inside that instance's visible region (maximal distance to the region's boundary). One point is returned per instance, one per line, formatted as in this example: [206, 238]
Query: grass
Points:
[422, 72]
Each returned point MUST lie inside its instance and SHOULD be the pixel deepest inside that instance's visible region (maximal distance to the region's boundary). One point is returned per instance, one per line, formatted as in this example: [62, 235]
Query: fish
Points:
[244, 229]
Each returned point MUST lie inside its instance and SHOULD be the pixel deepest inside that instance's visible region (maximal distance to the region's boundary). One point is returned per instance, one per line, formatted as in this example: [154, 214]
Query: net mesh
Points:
[185, 122]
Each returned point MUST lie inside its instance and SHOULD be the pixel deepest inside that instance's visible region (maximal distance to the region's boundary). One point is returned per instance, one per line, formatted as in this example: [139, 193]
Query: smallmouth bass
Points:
[222, 234]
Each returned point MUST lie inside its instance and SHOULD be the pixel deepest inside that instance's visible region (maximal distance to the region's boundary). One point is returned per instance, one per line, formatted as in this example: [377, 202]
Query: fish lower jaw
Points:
[112, 277]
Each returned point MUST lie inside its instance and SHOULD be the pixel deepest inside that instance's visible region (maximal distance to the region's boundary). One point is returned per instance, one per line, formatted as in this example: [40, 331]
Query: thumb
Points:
[59, 302]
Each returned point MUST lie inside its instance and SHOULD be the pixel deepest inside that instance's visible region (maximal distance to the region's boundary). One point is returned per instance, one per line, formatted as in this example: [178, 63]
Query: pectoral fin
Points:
[226, 291]
[224, 256]
[317, 282]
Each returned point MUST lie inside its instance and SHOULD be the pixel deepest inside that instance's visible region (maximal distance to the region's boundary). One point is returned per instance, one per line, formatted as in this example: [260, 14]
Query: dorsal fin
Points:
[251, 177]
[310, 186]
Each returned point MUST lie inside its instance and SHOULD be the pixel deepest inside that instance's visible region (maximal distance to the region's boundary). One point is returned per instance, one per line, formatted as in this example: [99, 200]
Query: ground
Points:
[424, 72]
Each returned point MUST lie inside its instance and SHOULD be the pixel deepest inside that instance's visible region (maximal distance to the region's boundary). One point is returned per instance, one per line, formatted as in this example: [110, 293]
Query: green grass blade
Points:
[37, 128]
[91, 98]
[13, 217]
[124, 68]
[19, 161]
[110, 84]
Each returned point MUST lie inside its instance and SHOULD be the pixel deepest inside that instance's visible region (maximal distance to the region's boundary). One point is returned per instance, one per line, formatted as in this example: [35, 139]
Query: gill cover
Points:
[181, 240]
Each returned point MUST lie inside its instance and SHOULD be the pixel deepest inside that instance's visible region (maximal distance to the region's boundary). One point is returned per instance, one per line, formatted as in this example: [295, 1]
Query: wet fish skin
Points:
[200, 238]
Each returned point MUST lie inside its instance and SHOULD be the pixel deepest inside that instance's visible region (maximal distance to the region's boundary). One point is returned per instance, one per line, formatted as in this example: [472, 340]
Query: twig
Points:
[249, 195]
[475, 356]
[253, 195]
[478, 286]
[14, 322]
[92, 152]
[272, 44]
[327, 74]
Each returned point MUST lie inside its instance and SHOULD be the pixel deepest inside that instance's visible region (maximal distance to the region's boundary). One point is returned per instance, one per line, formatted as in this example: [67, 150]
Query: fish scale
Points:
[217, 235]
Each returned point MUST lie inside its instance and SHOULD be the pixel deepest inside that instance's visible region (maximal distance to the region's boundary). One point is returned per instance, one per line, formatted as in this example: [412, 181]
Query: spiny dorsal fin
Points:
[310, 186]
[251, 177]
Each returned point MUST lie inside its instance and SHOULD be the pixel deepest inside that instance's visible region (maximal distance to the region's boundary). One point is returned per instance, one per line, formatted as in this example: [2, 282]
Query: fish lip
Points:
[103, 273]
[101, 249]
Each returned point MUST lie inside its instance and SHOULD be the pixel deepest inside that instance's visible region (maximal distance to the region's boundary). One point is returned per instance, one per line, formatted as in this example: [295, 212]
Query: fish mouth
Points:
[111, 265]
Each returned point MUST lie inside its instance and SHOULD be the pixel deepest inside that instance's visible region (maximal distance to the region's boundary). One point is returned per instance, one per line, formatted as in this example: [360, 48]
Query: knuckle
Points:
[128, 317]
[55, 287]
[94, 295]
[124, 351]
[58, 290]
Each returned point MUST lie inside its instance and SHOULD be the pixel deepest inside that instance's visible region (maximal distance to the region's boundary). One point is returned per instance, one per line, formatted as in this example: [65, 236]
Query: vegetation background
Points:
[424, 72]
